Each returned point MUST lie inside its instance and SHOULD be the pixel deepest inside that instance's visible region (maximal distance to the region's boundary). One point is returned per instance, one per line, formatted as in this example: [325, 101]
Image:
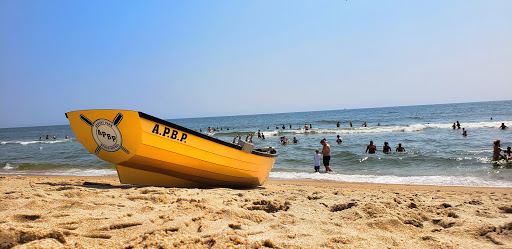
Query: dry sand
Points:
[94, 212]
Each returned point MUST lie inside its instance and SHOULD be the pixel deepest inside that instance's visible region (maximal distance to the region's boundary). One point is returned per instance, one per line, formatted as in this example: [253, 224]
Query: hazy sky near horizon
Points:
[178, 59]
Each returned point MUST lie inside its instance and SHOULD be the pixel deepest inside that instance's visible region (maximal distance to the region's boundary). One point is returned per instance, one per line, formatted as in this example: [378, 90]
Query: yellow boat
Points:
[150, 151]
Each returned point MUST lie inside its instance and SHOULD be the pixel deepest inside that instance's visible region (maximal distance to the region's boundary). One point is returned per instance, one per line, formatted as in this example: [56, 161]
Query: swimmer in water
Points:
[400, 148]
[386, 149]
[371, 148]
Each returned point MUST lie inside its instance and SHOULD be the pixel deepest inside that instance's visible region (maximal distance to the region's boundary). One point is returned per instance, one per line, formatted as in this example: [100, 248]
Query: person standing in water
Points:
[371, 148]
[508, 153]
[317, 158]
[326, 152]
[496, 152]
[400, 148]
[386, 149]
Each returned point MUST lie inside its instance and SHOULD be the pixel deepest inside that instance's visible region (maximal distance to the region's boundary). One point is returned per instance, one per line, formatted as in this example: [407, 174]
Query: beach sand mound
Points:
[72, 212]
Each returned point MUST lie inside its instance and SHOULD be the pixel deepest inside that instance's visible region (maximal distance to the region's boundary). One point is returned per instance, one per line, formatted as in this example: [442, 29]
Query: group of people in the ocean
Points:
[372, 148]
[284, 140]
[48, 137]
[213, 129]
[306, 127]
[496, 152]
[456, 125]
[325, 155]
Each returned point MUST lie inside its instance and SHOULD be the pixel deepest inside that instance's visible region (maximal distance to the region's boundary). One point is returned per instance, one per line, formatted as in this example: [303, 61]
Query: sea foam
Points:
[36, 142]
[467, 181]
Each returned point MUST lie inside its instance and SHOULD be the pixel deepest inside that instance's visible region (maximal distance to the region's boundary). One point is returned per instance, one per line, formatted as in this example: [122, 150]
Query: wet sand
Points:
[98, 212]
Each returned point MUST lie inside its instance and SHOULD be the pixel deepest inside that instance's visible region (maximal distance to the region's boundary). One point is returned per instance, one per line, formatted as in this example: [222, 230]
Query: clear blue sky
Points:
[176, 59]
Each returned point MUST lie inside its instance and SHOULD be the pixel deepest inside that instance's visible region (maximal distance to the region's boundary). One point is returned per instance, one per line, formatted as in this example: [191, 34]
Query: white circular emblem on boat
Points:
[107, 135]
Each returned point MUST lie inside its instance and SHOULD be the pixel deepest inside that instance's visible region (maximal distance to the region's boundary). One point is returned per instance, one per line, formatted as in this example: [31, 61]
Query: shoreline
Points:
[99, 212]
[314, 183]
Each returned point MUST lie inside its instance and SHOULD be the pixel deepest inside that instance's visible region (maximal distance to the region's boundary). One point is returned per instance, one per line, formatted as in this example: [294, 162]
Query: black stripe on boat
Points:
[198, 134]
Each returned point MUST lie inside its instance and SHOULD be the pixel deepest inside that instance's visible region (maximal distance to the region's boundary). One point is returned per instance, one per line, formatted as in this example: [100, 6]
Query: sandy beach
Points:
[98, 212]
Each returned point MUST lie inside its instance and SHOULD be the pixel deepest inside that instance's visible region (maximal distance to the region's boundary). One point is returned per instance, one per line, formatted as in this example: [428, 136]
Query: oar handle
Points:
[86, 120]
[118, 119]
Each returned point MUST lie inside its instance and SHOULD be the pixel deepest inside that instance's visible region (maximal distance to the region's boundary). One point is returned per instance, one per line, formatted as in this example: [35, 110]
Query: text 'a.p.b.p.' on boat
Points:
[150, 151]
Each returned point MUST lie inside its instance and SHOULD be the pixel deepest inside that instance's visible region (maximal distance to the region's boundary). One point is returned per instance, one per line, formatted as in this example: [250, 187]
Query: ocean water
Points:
[435, 153]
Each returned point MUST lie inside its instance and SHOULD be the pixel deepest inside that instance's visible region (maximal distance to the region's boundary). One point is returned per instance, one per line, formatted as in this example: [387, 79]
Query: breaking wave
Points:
[390, 179]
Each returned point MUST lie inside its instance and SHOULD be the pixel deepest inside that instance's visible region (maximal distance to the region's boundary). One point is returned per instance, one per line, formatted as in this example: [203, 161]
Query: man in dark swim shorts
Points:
[326, 152]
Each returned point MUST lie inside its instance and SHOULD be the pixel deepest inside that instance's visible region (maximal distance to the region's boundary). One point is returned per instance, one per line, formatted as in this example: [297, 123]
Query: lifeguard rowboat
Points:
[150, 151]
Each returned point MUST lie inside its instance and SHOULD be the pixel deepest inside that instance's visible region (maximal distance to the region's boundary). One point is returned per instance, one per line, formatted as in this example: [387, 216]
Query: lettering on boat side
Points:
[170, 133]
[106, 134]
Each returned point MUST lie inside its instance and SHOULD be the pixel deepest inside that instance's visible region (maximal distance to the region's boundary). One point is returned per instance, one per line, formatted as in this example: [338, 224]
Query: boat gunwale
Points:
[198, 134]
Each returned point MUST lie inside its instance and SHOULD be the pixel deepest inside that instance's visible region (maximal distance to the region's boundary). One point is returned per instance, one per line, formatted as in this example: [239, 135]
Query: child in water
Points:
[317, 158]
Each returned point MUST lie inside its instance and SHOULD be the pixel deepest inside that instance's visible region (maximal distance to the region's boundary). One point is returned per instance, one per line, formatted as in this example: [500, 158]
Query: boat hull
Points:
[150, 151]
